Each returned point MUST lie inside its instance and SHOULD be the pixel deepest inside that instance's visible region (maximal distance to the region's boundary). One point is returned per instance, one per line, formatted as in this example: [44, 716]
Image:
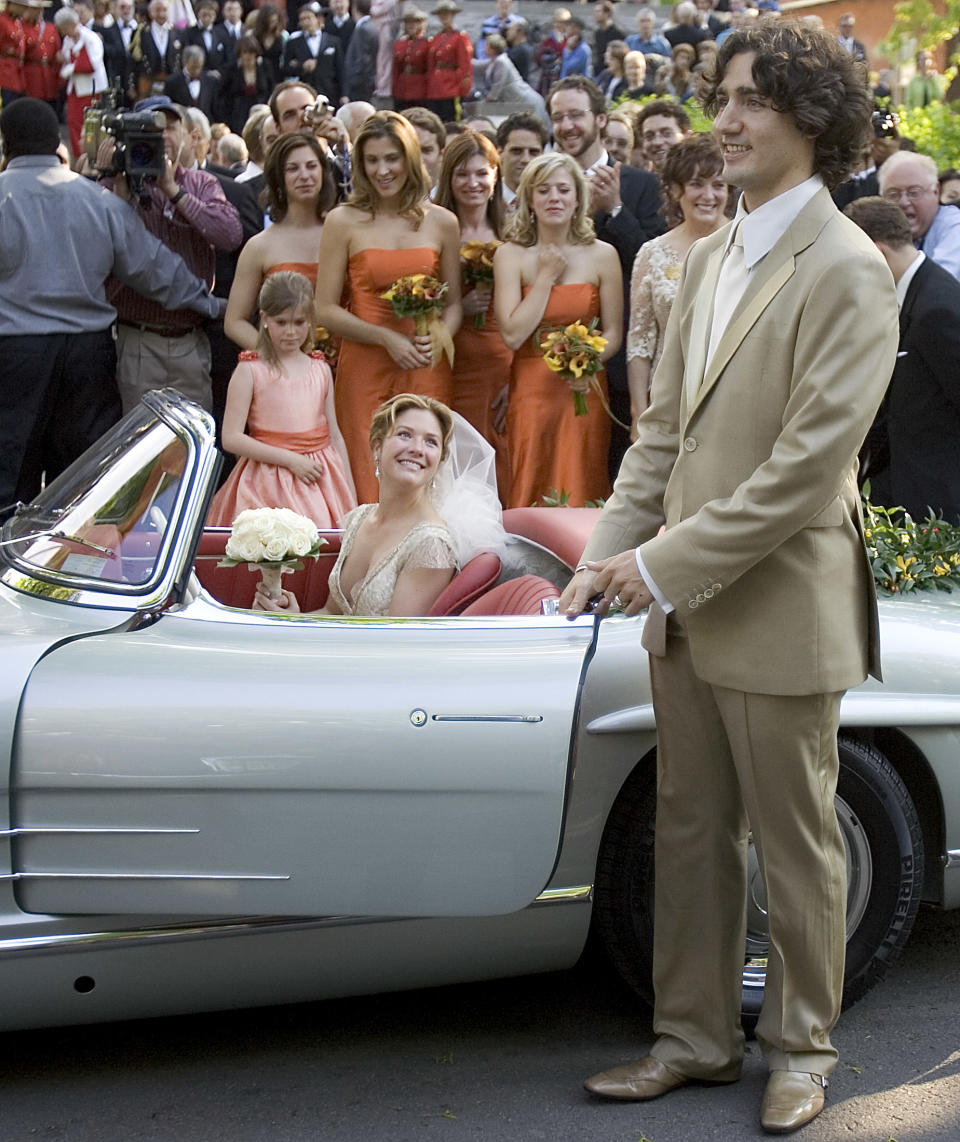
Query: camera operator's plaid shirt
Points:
[201, 222]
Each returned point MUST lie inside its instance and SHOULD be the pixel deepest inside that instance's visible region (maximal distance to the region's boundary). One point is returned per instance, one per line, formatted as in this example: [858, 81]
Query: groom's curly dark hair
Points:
[806, 74]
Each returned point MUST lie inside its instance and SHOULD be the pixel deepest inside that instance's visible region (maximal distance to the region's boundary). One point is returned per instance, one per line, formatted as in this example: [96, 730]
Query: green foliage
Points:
[936, 131]
[561, 499]
[919, 22]
[698, 118]
[907, 557]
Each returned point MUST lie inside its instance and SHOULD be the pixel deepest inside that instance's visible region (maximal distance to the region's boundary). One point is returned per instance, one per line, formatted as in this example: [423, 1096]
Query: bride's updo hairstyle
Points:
[385, 418]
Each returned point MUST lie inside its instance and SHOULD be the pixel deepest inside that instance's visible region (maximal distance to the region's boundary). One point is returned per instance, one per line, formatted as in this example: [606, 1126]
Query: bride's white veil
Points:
[465, 493]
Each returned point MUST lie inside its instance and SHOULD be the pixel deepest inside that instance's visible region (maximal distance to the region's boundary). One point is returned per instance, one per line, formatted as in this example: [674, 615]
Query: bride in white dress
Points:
[437, 508]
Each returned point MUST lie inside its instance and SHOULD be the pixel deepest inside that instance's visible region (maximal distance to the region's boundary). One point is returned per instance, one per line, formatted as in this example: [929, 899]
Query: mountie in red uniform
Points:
[410, 71]
[11, 52]
[41, 68]
[449, 66]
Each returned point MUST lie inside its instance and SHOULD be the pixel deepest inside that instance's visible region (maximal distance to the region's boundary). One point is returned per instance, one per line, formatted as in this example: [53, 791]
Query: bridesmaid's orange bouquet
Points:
[574, 352]
[477, 261]
[421, 296]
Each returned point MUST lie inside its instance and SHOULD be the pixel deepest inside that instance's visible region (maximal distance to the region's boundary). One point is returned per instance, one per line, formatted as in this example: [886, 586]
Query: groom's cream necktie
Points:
[731, 284]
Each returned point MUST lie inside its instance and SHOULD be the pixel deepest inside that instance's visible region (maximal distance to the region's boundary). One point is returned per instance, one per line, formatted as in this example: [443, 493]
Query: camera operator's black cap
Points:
[159, 103]
[29, 127]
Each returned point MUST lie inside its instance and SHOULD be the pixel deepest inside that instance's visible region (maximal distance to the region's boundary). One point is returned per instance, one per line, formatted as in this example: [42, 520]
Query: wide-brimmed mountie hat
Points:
[445, 6]
[35, 3]
[413, 13]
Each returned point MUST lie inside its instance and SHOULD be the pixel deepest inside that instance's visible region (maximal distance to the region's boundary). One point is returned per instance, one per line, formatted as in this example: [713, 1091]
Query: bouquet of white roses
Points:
[271, 541]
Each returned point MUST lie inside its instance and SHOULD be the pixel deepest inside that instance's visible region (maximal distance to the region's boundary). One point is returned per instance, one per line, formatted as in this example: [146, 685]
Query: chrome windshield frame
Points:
[195, 427]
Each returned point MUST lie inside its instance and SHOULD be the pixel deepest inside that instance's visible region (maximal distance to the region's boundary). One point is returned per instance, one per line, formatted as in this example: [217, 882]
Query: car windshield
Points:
[106, 517]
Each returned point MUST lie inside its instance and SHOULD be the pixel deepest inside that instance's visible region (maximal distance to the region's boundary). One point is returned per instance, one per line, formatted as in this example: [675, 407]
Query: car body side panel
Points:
[313, 767]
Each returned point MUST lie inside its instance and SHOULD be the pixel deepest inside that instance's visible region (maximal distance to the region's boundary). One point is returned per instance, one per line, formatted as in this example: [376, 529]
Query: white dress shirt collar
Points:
[907, 277]
[602, 161]
[763, 228]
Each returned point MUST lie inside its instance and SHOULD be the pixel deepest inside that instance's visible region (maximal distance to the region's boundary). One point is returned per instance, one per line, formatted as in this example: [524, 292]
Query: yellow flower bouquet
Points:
[421, 296]
[476, 260]
[574, 353]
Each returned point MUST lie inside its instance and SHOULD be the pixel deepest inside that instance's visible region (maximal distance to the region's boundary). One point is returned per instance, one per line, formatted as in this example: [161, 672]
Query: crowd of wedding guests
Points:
[578, 210]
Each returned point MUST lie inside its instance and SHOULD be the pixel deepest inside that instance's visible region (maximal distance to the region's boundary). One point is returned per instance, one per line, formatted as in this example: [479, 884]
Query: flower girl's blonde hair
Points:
[285, 290]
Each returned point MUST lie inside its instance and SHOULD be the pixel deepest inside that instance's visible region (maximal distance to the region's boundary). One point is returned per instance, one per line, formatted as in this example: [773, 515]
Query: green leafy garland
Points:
[908, 557]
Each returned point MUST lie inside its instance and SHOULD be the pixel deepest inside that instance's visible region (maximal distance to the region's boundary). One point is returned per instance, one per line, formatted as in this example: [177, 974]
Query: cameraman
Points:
[188, 212]
[60, 238]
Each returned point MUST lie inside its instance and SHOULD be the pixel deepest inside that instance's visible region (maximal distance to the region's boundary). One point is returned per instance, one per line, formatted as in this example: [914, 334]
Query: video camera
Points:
[138, 135]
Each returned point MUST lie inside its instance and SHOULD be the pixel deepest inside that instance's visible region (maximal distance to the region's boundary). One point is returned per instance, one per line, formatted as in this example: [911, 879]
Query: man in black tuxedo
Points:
[314, 55]
[340, 23]
[921, 410]
[115, 59]
[156, 48]
[625, 204]
[192, 86]
[219, 47]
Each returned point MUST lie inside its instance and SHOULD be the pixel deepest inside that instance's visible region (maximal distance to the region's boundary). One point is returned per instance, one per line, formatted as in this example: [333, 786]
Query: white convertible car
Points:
[207, 807]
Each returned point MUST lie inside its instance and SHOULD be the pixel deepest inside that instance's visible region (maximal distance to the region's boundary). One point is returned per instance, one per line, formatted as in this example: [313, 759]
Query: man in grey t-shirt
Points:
[61, 237]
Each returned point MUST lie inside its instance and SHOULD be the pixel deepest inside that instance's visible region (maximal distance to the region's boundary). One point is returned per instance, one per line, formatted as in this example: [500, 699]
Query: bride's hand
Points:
[406, 353]
[285, 601]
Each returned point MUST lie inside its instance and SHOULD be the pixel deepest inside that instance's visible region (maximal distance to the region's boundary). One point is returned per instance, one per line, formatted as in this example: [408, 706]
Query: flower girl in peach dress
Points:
[280, 418]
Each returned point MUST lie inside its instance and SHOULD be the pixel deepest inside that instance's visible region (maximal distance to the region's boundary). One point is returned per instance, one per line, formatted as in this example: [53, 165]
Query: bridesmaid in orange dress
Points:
[387, 229]
[469, 185]
[300, 190]
[553, 271]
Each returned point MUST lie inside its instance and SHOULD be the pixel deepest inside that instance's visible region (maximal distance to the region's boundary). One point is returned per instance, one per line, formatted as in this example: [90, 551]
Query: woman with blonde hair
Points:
[387, 229]
[552, 272]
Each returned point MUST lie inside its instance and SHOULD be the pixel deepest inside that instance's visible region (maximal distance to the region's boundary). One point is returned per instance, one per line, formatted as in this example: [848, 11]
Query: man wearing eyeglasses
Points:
[910, 181]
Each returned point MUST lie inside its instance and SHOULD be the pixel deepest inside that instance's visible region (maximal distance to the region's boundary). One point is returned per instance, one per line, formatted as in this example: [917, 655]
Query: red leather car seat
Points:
[521, 596]
[234, 586]
[478, 575]
[564, 531]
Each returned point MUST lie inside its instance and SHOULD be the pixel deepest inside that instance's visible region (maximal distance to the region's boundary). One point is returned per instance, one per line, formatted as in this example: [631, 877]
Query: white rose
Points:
[270, 535]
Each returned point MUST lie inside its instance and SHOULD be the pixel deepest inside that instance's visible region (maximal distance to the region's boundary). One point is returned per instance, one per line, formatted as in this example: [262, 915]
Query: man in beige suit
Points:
[762, 611]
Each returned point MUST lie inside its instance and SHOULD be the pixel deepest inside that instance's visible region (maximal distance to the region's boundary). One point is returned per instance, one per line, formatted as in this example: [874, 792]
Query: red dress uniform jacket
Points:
[410, 70]
[11, 52]
[41, 71]
[449, 70]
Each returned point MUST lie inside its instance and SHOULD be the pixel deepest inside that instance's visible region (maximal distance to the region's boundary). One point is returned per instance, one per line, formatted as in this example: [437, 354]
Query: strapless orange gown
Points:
[366, 374]
[481, 367]
[308, 269]
[552, 449]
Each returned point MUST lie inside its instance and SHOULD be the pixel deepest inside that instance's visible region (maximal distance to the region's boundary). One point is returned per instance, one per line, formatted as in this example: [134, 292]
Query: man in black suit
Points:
[192, 86]
[314, 55]
[361, 61]
[156, 48]
[921, 410]
[624, 202]
[340, 23]
[219, 47]
[115, 59]
[845, 29]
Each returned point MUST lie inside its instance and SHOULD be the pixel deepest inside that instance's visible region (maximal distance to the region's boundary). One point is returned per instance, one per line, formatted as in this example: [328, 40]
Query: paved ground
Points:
[496, 1062]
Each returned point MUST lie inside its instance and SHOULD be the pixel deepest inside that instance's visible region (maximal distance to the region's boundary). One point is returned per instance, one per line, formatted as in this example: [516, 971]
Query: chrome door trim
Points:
[573, 895]
[47, 830]
[533, 718]
[141, 876]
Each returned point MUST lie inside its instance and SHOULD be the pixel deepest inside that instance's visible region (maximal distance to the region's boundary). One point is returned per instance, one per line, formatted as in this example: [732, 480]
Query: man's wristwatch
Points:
[176, 198]
[616, 210]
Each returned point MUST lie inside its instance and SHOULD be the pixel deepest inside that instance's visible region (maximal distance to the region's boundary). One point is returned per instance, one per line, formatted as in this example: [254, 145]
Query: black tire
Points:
[884, 843]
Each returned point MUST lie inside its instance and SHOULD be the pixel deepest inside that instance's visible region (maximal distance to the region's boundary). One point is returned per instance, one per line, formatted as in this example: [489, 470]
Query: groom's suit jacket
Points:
[750, 460]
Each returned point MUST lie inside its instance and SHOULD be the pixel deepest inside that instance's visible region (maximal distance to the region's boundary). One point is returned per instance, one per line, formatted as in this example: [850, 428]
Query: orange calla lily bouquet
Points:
[422, 297]
[476, 259]
[574, 352]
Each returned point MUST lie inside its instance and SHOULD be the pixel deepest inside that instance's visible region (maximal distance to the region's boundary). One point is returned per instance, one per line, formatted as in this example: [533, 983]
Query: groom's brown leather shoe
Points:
[791, 1100]
[644, 1079]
